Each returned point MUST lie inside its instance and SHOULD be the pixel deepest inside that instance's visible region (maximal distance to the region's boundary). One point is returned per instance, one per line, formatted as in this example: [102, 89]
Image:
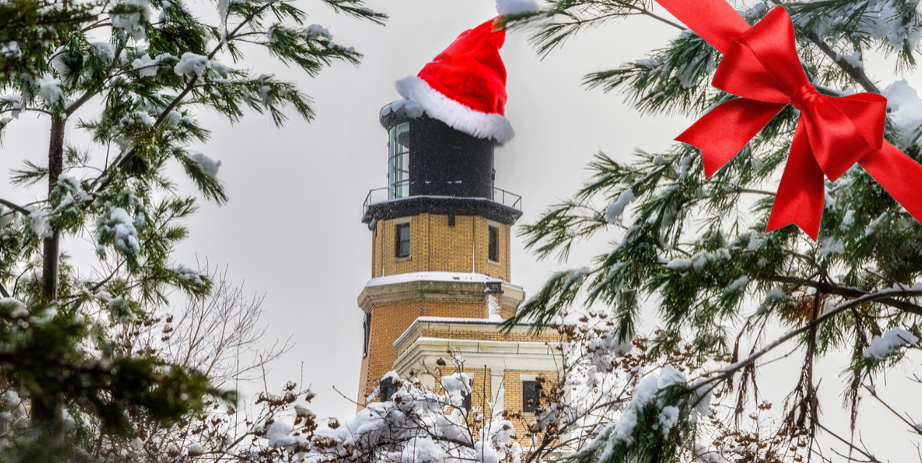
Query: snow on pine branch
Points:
[514, 7]
[895, 338]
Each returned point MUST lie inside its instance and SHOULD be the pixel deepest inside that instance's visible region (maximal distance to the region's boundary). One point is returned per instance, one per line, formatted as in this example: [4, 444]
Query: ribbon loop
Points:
[761, 66]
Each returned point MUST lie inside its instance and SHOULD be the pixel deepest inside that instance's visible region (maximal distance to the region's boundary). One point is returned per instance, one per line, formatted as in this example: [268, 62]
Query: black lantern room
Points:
[433, 168]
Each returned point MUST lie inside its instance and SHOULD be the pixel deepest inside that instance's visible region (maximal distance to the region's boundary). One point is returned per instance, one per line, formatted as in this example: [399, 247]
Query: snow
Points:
[830, 246]
[738, 285]
[264, 93]
[510, 7]
[58, 64]
[136, 444]
[882, 346]
[133, 23]
[419, 450]
[144, 118]
[122, 225]
[319, 32]
[775, 294]
[615, 210]
[853, 58]
[147, 66]
[456, 383]
[11, 49]
[848, 220]
[905, 110]
[38, 222]
[191, 63]
[302, 411]
[49, 89]
[668, 418]
[644, 392]
[195, 450]
[13, 308]
[407, 107]
[210, 166]
[755, 242]
[432, 276]
[189, 274]
[103, 50]
[493, 308]
[698, 260]
[71, 184]
[279, 435]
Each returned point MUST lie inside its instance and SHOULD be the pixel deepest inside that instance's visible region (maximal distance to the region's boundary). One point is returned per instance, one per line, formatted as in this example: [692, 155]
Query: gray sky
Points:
[292, 227]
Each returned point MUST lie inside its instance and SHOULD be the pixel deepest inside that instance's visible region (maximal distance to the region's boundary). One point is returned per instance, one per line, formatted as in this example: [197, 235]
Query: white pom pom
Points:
[508, 7]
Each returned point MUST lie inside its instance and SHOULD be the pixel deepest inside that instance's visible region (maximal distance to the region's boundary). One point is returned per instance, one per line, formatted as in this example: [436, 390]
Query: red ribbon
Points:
[762, 67]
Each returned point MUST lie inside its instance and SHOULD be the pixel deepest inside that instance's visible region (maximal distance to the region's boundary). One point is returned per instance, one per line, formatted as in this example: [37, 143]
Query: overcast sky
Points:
[292, 228]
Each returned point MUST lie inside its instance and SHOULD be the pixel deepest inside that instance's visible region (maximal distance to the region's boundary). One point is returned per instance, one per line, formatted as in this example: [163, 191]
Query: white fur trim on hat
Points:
[456, 115]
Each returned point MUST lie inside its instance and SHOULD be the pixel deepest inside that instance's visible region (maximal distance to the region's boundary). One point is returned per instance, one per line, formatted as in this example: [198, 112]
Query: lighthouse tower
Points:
[441, 233]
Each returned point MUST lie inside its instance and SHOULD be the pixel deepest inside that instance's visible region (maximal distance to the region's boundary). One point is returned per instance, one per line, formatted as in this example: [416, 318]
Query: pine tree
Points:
[694, 251]
[149, 66]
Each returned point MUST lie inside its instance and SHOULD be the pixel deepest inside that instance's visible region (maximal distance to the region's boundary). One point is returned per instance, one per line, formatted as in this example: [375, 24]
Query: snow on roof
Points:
[433, 276]
[408, 108]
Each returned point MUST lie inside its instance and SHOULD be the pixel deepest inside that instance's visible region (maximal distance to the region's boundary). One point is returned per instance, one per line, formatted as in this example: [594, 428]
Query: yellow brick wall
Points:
[390, 320]
[437, 247]
[512, 385]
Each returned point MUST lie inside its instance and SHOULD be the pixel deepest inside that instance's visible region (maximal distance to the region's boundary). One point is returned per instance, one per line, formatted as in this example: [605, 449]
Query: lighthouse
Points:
[441, 229]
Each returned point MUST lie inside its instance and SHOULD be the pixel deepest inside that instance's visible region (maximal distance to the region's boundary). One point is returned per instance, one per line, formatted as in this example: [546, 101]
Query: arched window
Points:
[398, 163]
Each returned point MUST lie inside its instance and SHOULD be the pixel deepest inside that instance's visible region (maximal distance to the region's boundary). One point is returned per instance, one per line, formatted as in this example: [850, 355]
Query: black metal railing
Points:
[389, 193]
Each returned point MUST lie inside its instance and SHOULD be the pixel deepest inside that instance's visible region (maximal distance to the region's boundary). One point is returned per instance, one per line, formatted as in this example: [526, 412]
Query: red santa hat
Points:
[465, 85]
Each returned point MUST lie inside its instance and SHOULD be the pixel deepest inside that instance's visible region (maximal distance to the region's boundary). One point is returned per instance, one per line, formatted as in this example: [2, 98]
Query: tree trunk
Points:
[47, 409]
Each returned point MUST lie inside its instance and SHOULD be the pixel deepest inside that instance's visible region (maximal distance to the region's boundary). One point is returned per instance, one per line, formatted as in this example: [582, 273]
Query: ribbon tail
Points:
[898, 174]
[726, 129]
[715, 21]
[802, 191]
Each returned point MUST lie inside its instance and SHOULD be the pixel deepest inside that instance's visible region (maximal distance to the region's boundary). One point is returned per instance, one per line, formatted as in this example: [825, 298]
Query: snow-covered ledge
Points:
[495, 356]
[448, 323]
[434, 285]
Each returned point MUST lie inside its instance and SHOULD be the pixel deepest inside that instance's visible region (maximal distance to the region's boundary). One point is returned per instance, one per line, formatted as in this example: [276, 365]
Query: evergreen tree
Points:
[694, 251]
[133, 75]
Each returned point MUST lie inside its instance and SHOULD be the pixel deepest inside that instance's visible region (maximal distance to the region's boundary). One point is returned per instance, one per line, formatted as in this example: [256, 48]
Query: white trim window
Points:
[398, 161]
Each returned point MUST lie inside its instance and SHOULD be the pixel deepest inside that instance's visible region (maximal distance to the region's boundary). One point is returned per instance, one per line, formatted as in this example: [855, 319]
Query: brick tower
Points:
[441, 266]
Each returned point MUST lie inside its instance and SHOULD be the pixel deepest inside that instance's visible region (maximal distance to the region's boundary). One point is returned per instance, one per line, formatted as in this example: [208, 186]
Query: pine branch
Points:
[854, 72]
[829, 288]
[728, 372]
[15, 207]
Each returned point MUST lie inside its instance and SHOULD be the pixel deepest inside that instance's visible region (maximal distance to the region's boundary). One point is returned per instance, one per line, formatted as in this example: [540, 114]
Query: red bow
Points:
[761, 66]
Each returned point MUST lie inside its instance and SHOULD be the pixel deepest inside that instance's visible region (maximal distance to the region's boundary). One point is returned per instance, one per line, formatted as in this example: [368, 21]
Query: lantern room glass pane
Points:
[398, 164]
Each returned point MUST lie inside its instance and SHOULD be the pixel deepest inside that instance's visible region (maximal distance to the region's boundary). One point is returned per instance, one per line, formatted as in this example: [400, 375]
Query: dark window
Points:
[367, 329]
[466, 400]
[530, 396]
[402, 235]
[493, 247]
[451, 221]
[386, 389]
